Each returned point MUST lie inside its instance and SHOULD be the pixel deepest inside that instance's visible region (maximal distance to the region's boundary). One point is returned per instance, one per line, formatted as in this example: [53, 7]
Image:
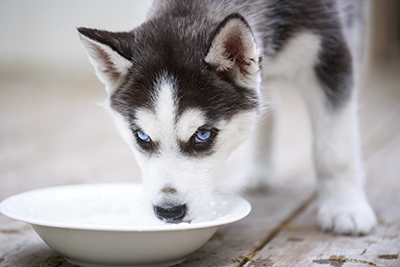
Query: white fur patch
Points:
[298, 55]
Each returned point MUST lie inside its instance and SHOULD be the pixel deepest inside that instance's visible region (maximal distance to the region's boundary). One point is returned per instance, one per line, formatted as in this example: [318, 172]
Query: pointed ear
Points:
[109, 53]
[233, 49]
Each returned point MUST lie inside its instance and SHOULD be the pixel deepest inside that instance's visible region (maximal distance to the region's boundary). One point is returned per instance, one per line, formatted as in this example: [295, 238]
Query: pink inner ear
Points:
[235, 51]
[109, 67]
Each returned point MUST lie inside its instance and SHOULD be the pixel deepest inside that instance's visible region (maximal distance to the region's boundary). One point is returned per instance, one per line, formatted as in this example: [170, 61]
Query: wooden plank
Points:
[303, 244]
[233, 242]
[21, 246]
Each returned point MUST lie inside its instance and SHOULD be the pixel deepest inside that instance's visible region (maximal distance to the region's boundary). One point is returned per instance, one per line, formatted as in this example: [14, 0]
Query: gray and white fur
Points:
[185, 91]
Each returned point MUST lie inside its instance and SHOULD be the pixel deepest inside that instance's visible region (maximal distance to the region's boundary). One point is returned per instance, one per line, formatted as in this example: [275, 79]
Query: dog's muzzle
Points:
[170, 213]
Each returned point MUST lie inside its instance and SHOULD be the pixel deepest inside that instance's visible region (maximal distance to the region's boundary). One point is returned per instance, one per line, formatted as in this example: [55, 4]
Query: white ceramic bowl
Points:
[106, 225]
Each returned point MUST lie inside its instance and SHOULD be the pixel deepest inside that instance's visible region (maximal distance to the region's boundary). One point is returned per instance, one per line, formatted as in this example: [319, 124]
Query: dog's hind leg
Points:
[258, 174]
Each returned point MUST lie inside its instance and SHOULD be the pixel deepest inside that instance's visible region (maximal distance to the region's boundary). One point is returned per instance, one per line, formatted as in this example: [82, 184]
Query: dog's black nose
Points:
[170, 213]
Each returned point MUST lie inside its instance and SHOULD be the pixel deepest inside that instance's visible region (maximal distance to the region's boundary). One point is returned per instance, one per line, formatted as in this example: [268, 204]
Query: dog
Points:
[185, 90]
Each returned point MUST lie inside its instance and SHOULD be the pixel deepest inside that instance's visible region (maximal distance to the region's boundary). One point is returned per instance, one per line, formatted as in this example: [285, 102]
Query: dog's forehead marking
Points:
[159, 122]
[166, 105]
[163, 124]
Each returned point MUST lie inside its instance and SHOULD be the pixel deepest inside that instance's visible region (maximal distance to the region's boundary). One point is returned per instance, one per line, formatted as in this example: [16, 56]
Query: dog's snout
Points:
[170, 213]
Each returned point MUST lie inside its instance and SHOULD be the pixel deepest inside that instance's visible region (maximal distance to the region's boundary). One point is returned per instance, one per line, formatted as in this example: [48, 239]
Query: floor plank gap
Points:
[285, 223]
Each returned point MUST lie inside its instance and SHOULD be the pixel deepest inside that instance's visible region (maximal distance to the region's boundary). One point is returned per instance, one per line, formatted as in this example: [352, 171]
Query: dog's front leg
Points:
[258, 169]
[343, 206]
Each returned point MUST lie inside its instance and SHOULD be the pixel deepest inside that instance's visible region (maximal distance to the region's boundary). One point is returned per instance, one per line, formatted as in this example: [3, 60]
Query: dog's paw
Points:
[352, 219]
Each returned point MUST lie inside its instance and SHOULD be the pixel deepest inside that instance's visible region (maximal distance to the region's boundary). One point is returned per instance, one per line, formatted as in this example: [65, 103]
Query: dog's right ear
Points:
[233, 50]
[110, 54]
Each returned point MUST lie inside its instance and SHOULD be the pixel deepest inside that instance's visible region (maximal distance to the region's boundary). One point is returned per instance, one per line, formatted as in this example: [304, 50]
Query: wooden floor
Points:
[52, 132]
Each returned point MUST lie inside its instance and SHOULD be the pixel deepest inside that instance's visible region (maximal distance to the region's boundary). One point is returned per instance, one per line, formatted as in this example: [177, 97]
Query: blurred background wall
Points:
[384, 31]
[40, 36]
[52, 130]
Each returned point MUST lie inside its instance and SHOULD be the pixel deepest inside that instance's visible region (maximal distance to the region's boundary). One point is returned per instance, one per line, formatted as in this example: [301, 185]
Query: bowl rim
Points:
[5, 210]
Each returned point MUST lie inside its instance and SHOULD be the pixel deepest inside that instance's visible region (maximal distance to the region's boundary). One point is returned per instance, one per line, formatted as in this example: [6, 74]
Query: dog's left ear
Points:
[233, 50]
[109, 53]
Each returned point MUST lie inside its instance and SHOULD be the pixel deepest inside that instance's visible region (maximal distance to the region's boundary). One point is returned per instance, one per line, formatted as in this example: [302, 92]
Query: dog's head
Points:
[183, 97]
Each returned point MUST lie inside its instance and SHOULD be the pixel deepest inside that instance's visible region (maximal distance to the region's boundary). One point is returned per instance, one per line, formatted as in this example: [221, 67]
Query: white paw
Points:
[347, 219]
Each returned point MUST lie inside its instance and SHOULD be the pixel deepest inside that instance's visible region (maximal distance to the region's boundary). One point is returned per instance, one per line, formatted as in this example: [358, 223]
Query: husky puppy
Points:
[185, 91]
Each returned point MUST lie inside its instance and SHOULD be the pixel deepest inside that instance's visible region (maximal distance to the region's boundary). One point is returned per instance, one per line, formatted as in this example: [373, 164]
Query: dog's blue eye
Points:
[142, 136]
[203, 136]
